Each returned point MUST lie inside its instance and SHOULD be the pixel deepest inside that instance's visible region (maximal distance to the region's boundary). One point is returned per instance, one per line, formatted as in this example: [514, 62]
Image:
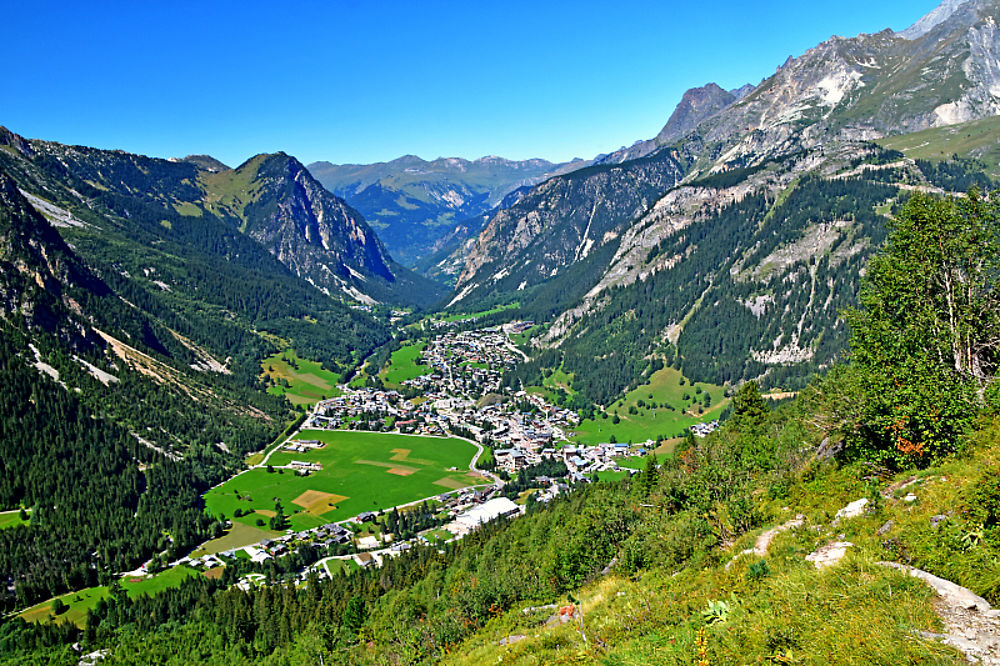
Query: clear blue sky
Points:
[370, 80]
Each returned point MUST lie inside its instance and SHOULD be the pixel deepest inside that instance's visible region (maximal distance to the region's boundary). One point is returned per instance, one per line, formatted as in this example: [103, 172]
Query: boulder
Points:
[829, 554]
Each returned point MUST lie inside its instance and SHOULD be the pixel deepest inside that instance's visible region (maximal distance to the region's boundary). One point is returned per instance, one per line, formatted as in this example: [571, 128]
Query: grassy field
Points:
[12, 519]
[361, 472]
[404, 364]
[333, 567]
[308, 381]
[652, 419]
[560, 379]
[978, 138]
[241, 534]
[80, 602]
[483, 313]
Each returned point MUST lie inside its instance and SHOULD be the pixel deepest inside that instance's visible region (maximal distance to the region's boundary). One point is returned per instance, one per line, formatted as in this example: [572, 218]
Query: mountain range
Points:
[591, 248]
[416, 206]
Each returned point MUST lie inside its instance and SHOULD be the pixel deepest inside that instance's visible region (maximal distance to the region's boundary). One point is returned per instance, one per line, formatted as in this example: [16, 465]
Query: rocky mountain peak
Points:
[697, 105]
[927, 23]
[205, 163]
[15, 141]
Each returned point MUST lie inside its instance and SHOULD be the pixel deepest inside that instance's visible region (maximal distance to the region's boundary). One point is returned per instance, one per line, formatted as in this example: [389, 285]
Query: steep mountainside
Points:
[414, 204]
[738, 267]
[37, 270]
[112, 421]
[272, 199]
[696, 106]
[561, 223]
[314, 233]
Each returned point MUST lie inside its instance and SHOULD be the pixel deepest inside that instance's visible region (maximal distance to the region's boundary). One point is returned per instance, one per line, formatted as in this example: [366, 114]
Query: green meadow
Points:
[482, 313]
[308, 382]
[404, 363]
[362, 471]
[651, 417]
[12, 519]
[80, 602]
[980, 138]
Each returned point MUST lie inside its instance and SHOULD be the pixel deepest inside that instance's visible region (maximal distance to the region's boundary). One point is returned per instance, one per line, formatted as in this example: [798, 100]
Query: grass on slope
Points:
[978, 138]
[653, 419]
[781, 608]
[361, 472]
[230, 190]
[239, 535]
[404, 363]
[482, 313]
[80, 602]
[12, 519]
[308, 381]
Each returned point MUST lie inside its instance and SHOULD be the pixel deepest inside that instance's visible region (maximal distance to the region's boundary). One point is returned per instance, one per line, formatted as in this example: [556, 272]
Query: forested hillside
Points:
[733, 277]
[644, 261]
[133, 333]
[93, 437]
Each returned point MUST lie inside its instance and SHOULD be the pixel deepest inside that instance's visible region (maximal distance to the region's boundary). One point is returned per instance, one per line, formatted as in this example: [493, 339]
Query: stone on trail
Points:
[852, 510]
[971, 625]
[763, 542]
[829, 554]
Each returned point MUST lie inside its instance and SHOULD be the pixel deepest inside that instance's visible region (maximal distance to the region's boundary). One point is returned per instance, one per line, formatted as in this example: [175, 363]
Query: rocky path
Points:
[971, 624]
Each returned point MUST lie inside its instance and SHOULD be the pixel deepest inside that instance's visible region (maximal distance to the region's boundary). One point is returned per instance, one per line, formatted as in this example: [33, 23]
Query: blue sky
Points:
[364, 81]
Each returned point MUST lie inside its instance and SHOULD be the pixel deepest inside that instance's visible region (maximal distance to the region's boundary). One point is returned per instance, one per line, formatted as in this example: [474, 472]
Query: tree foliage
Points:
[926, 337]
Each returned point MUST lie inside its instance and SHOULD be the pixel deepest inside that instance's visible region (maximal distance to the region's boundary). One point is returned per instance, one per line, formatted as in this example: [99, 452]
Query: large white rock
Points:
[829, 555]
[852, 510]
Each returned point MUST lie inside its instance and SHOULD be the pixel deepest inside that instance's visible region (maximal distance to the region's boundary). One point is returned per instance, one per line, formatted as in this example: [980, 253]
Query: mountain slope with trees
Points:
[796, 154]
[706, 557]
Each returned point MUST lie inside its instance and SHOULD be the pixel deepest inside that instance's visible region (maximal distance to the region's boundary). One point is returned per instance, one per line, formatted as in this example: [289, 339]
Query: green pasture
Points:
[239, 535]
[333, 567]
[308, 381]
[404, 363]
[362, 471]
[652, 419]
[476, 315]
[978, 138]
[80, 602]
[12, 519]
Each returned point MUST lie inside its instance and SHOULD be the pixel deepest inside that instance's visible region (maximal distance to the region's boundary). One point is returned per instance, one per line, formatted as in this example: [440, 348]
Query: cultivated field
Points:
[652, 419]
[361, 472]
[308, 381]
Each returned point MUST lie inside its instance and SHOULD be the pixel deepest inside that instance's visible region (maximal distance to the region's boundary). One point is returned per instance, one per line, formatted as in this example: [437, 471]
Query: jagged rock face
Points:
[37, 270]
[940, 14]
[842, 91]
[317, 235]
[696, 106]
[271, 199]
[869, 86]
[561, 222]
